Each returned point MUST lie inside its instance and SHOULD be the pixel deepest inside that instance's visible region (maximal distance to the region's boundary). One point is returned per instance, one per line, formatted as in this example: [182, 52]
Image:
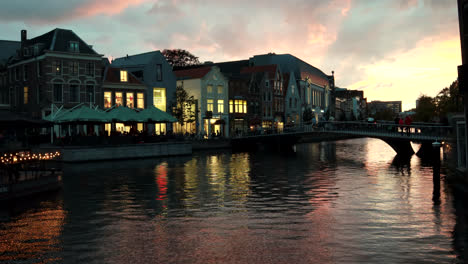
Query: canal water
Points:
[348, 201]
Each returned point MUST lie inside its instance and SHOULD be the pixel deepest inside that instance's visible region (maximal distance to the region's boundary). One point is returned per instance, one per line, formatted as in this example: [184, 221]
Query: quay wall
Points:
[134, 151]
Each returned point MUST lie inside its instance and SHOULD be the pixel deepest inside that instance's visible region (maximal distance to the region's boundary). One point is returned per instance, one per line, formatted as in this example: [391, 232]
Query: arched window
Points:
[74, 92]
[57, 91]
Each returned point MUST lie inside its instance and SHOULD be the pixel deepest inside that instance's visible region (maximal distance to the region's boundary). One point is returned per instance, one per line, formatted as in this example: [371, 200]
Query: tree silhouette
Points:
[184, 107]
[180, 57]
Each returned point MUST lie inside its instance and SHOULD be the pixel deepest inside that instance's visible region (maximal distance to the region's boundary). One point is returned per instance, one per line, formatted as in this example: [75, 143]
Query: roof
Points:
[285, 83]
[270, 69]
[58, 40]
[314, 78]
[112, 75]
[137, 59]
[195, 73]
[7, 49]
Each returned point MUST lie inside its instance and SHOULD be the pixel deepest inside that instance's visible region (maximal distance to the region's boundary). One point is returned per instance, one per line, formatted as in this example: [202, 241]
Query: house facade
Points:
[293, 104]
[210, 89]
[57, 68]
[152, 69]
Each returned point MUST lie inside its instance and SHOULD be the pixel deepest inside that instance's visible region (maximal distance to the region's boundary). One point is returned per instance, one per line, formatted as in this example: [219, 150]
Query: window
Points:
[292, 89]
[107, 99]
[140, 100]
[39, 68]
[25, 72]
[58, 67]
[74, 68]
[123, 76]
[290, 102]
[295, 102]
[26, 95]
[74, 46]
[58, 92]
[90, 93]
[209, 89]
[231, 107]
[118, 99]
[209, 105]
[159, 72]
[220, 89]
[90, 69]
[266, 83]
[130, 100]
[16, 73]
[220, 106]
[74, 92]
[159, 98]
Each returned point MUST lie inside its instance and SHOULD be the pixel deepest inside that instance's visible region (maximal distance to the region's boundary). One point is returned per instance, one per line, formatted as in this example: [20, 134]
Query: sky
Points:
[390, 49]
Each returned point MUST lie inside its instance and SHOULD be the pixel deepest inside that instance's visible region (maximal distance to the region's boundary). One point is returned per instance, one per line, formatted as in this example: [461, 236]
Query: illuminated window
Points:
[220, 89]
[159, 98]
[220, 106]
[58, 67]
[245, 106]
[118, 99]
[231, 106]
[74, 68]
[130, 100]
[107, 99]
[209, 89]
[209, 105]
[140, 100]
[123, 76]
[26, 94]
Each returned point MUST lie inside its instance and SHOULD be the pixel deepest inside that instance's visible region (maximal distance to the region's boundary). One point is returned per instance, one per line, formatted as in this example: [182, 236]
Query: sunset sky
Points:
[391, 49]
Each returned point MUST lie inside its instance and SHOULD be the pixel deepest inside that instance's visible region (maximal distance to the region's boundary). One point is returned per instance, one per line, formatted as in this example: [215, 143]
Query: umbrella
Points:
[155, 115]
[82, 114]
[124, 114]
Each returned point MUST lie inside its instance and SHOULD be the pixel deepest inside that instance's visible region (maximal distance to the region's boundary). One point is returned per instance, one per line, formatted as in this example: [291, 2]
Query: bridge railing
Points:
[388, 129]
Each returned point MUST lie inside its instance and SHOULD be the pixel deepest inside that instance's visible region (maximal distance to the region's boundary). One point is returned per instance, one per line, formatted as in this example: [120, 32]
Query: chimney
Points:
[333, 73]
[23, 41]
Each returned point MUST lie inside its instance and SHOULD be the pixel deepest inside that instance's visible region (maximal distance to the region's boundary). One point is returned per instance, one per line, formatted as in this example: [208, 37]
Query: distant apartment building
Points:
[379, 106]
[56, 68]
[350, 104]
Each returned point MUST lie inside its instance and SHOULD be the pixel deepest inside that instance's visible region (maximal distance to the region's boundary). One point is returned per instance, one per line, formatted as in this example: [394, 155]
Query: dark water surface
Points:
[332, 202]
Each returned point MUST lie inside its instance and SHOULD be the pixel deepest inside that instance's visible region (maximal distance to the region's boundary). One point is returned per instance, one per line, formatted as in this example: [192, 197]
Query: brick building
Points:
[56, 68]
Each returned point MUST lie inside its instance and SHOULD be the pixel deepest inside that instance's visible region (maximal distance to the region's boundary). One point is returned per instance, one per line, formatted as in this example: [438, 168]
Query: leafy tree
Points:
[449, 100]
[307, 115]
[426, 109]
[184, 107]
[180, 57]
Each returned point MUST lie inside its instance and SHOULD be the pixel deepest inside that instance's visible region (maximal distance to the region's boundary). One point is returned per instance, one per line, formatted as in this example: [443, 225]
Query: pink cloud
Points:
[110, 7]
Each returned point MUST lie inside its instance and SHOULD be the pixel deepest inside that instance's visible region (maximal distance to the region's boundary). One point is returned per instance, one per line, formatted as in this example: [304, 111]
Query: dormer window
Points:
[123, 76]
[74, 46]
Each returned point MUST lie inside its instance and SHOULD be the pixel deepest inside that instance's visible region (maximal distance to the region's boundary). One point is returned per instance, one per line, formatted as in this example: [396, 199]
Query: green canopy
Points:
[124, 114]
[155, 115]
[81, 114]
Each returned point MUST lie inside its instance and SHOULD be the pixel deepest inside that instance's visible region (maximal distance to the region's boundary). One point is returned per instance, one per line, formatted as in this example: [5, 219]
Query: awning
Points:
[155, 115]
[124, 114]
[81, 114]
[10, 119]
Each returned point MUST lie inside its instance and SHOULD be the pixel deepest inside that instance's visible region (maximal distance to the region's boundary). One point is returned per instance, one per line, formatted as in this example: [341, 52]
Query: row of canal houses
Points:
[59, 70]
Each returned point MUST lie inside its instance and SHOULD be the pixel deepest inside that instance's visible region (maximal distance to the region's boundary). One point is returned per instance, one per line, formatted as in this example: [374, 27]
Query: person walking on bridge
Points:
[408, 122]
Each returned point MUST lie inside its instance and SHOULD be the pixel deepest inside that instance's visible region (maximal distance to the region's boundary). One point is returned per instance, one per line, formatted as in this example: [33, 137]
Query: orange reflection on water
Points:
[31, 235]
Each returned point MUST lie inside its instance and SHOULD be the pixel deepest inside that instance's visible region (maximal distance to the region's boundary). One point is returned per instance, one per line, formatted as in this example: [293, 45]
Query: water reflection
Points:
[349, 201]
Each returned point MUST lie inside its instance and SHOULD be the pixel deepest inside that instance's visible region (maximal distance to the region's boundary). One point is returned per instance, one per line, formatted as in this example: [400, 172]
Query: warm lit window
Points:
[130, 100]
[220, 89]
[118, 99]
[231, 106]
[245, 106]
[209, 105]
[58, 67]
[26, 95]
[209, 89]
[159, 98]
[220, 106]
[123, 76]
[107, 99]
[140, 100]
